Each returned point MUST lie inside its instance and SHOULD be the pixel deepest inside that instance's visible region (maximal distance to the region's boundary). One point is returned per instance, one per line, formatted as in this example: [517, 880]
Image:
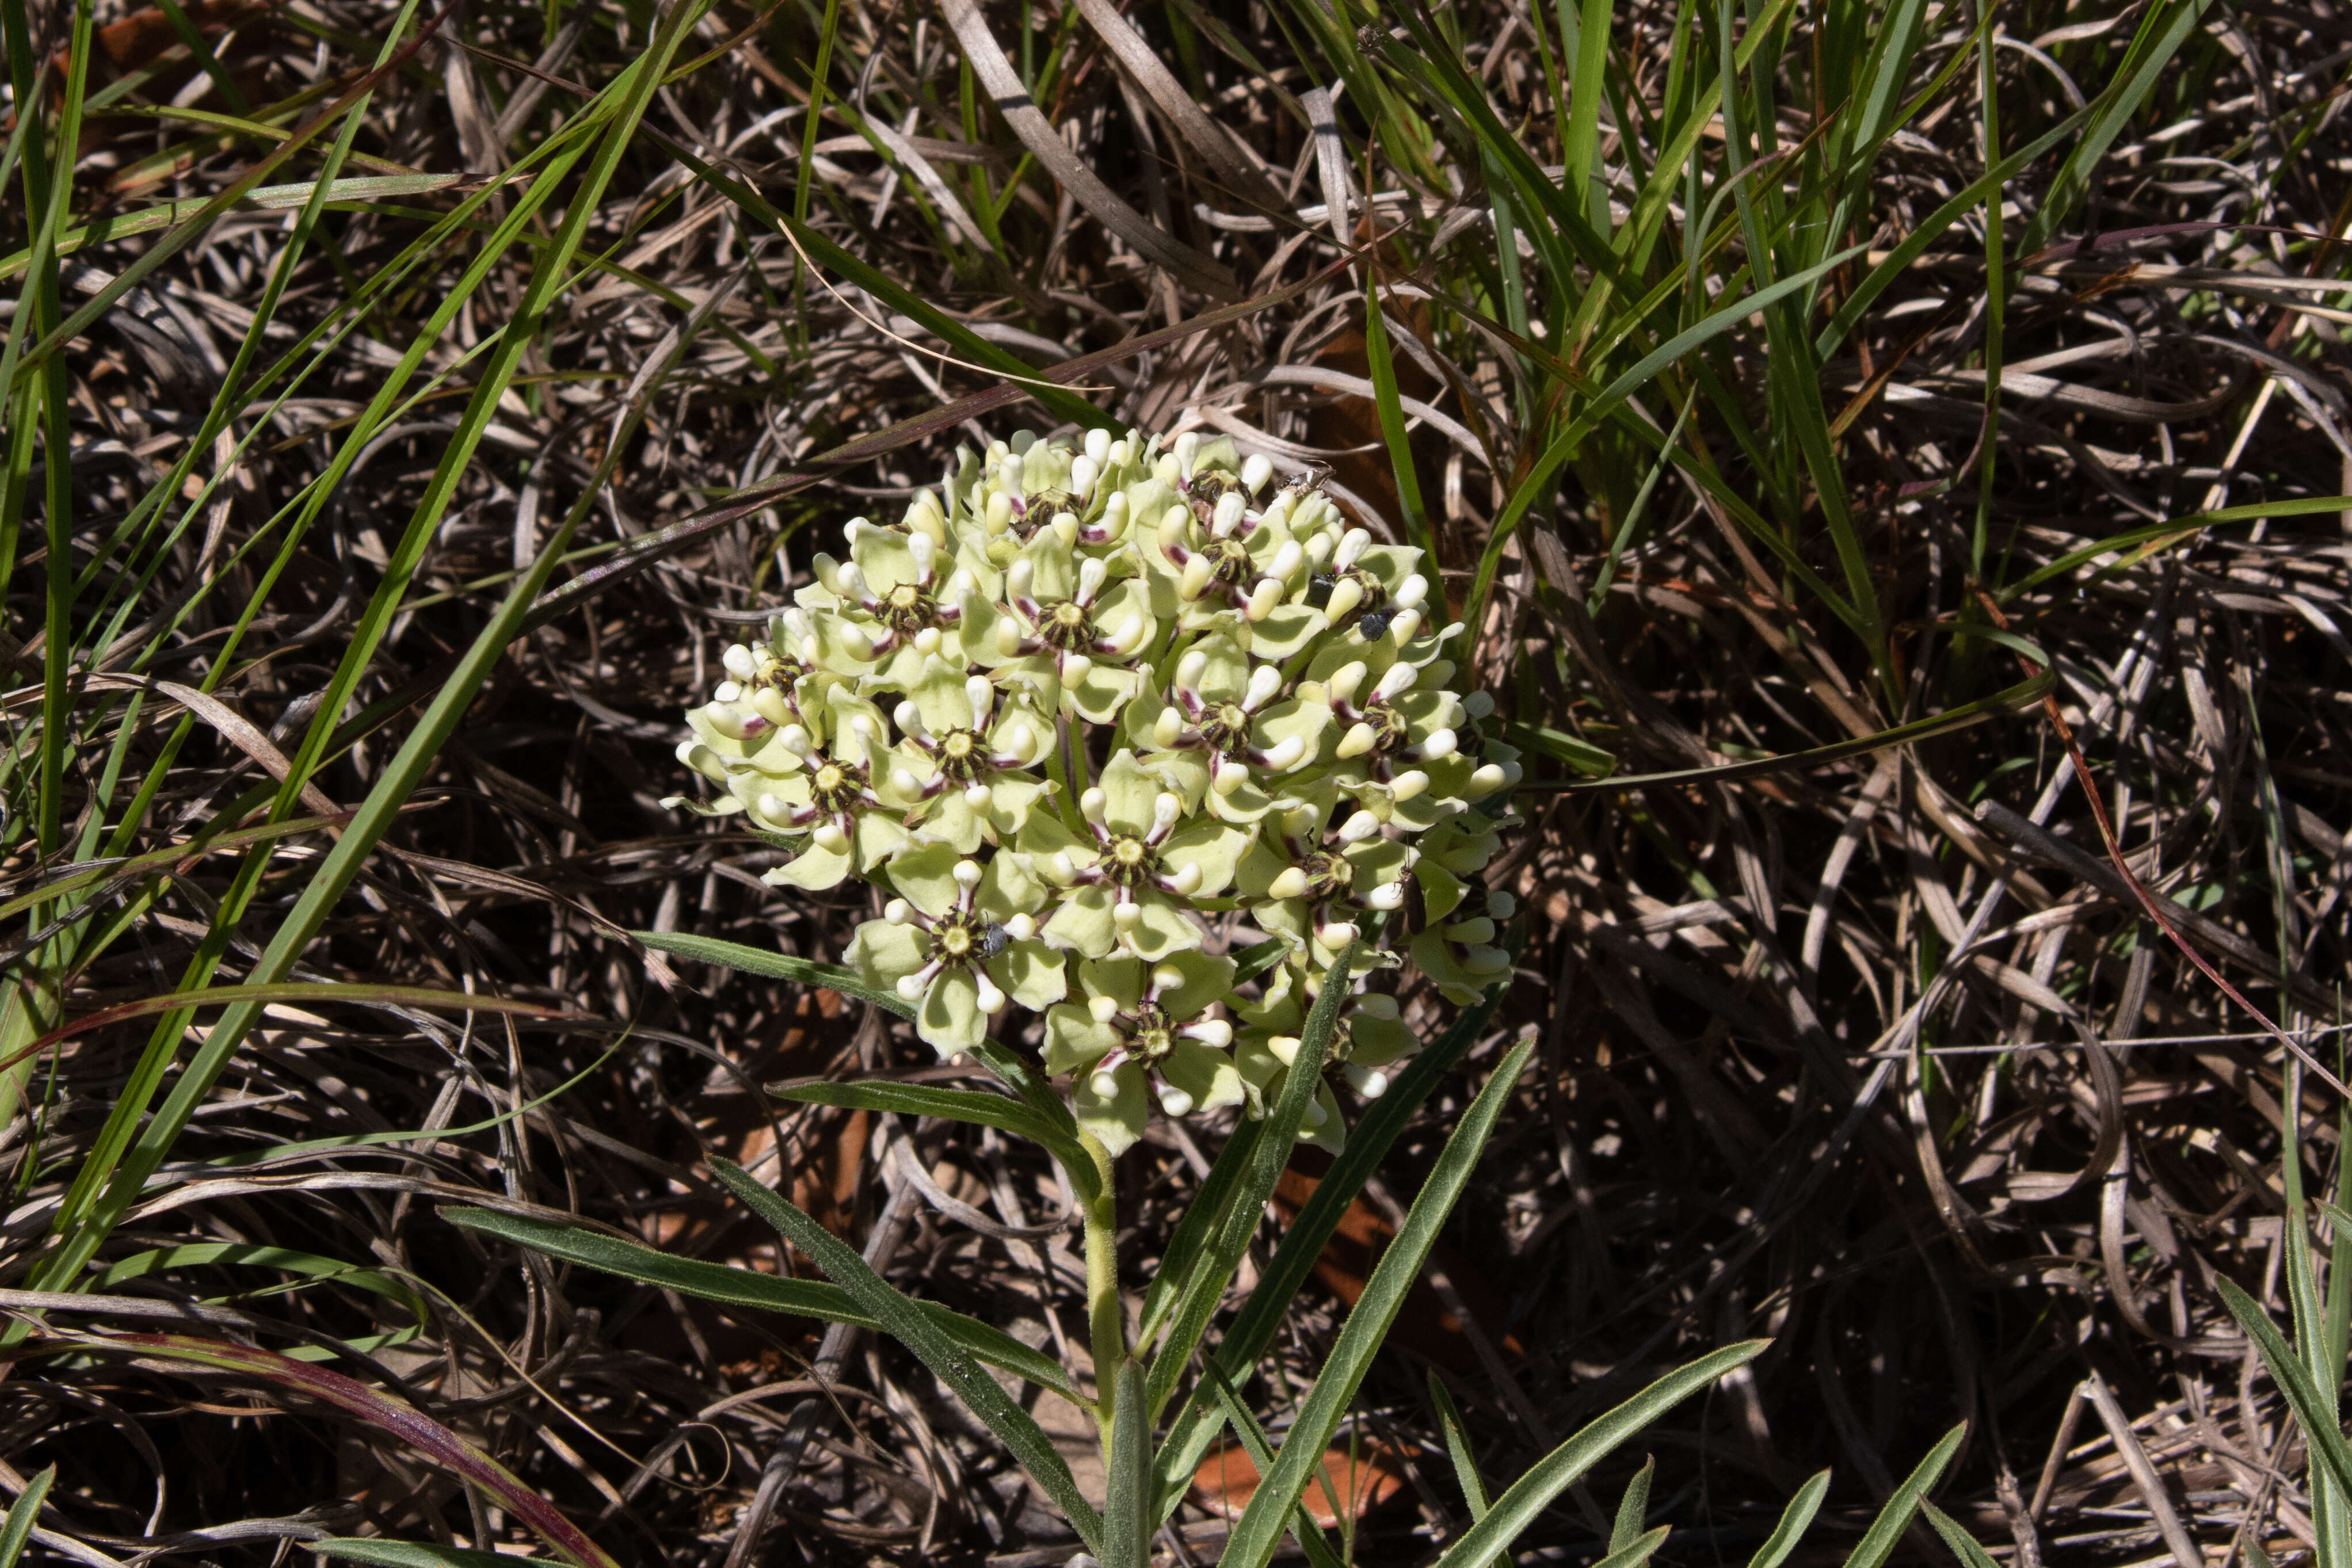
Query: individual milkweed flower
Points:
[1018, 489]
[1458, 952]
[1399, 747]
[959, 940]
[1073, 630]
[1367, 1041]
[960, 771]
[896, 602]
[1234, 715]
[1319, 862]
[817, 778]
[1144, 1031]
[1130, 884]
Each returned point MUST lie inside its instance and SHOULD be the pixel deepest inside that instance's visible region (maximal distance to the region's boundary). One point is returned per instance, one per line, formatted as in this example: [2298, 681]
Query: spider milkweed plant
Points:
[1082, 715]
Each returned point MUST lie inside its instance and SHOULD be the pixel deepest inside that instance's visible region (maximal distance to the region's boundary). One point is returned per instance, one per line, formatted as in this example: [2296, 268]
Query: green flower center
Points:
[908, 609]
[836, 785]
[1205, 491]
[1153, 1035]
[962, 758]
[1226, 725]
[1389, 727]
[1326, 874]
[1066, 625]
[962, 940]
[1130, 861]
[1229, 561]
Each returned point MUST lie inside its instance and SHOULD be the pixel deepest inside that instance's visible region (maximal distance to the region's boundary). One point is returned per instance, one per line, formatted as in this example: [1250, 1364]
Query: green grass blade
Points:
[2161, 33]
[910, 1326]
[411, 1553]
[1795, 1520]
[1260, 1449]
[1528, 1497]
[1260, 1529]
[1879, 1540]
[1391, 410]
[748, 1287]
[2313, 1407]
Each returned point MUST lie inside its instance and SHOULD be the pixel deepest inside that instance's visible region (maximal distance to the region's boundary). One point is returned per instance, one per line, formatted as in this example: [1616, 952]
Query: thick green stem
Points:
[1106, 1317]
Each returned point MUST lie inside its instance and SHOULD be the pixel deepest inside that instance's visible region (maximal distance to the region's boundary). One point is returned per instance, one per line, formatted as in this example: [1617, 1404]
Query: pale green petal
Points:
[1184, 772]
[1389, 565]
[1208, 979]
[1073, 1041]
[1441, 893]
[925, 877]
[1121, 980]
[1292, 716]
[813, 869]
[1107, 689]
[1259, 864]
[1118, 1122]
[938, 695]
[1204, 1073]
[1375, 862]
[1376, 1042]
[950, 1020]
[1224, 677]
[882, 557]
[1009, 888]
[883, 954]
[1240, 806]
[1284, 630]
[950, 820]
[1128, 791]
[1082, 924]
[1163, 929]
[1011, 798]
[876, 839]
[1331, 1134]
[1032, 974]
[1215, 847]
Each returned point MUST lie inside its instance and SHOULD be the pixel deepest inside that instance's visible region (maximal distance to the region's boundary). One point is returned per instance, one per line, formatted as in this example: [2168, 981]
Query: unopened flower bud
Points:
[1093, 804]
[1407, 785]
[1195, 580]
[1394, 682]
[1368, 1081]
[1411, 591]
[904, 780]
[1191, 668]
[1346, 594]
[967, 874]
[1210, 1031]
[1291, 883]
[1173, 1100]
[999, 515]
[1263, 599]
[1439, 743]
[1388, 895]
[1255, 471]
[1126, 916]
[1186, 881]
[1083, 471]
[1227, 517]
[1286, 756]
[1336, 935]
[991, 1001]
[1352, 546]
[897, 912]
[1097, 446]
[1358, 739]
[739, 662]
[1076, 667]
[910, 987]
[1483, 782]
[976, 795]
[1166, 726]
[829, 838]
[1187, 449]
[1285, 1046]
[1018, 577]
[1229, 776]
[1102, 1009]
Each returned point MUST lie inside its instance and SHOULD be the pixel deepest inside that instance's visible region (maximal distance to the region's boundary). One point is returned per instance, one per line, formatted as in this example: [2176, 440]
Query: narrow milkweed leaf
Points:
[1795, 1520]
[1197, 1227]
[1528, 1497]
[398, 1419]
[325, 1270]
[1212, 1266]
[975, 1105]
[1963, 1546]
[735, 1287]
[775, 966]
[1253, 961]
[1878, 1541]
[2311, 1406]
[21, 1514]
[1458, 1447]
[1634, 1553]
[1260, 1317]
[412, 1554]
[1261, 1452]
[1127, 1504]
[1633, 1508]
[907, 1322]
[1253, 1539]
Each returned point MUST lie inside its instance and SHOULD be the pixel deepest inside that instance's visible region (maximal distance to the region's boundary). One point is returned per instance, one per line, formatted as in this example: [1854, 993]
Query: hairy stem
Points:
[1105, 1320]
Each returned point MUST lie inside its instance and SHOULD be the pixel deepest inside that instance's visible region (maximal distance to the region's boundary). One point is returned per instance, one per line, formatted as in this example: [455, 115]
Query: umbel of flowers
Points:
[1095, 718]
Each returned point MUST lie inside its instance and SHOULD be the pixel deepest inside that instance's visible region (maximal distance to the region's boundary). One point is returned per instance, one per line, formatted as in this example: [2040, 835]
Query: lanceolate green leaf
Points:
[1213, 1268]
[1878, 1541]
[412, 1554]
[747, 1288]
[976, 1106]
[1260, 1317]
[1260, 1529]
[1795, 1520]
[1198, 1227]
[2311, 1406]
[22, 1515]
[1527, 1498]
[775, 966]
[910, 1326]
[1126, 1507]
[1963, 1546]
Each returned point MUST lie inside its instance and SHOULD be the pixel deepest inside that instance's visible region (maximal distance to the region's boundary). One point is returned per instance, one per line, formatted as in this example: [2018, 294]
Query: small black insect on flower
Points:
[994, 939]
[1319, 589]
[1373, 625]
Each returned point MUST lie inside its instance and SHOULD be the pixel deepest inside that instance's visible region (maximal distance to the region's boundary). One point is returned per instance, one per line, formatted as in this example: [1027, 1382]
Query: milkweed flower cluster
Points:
[1090, 716]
